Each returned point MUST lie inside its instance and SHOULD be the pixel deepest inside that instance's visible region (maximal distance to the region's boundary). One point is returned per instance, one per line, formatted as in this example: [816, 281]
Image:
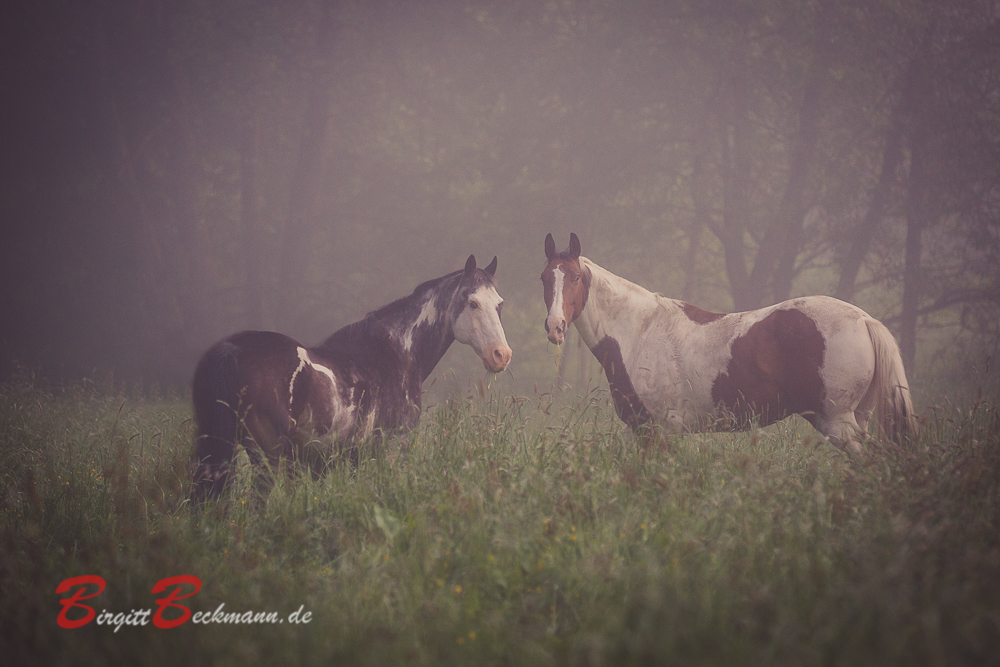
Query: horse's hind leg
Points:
[862, 418]
[211, 463]
[844, 432]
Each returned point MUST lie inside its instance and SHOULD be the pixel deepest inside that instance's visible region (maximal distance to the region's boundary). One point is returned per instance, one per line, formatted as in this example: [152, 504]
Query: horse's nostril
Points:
[500, 359]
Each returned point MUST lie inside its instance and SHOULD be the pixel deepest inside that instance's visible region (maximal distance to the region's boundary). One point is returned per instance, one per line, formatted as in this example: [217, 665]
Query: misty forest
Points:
[177, 171]
[174, 172]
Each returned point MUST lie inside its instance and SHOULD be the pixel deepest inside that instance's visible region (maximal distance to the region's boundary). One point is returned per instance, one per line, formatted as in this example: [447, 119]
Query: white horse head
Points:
[476, 313]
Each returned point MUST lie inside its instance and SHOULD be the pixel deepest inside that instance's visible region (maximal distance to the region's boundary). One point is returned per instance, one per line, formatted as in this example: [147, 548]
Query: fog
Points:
[173, 172]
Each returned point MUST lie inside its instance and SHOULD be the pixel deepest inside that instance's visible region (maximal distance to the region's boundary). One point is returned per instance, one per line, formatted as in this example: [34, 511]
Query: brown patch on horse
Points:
[628, 405]
[774, 371]
[698, 315]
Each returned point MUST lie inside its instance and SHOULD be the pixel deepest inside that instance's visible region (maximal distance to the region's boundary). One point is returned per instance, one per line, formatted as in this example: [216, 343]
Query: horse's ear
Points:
[574, 246]
[492, 268]
[470, 266]
[550, 247]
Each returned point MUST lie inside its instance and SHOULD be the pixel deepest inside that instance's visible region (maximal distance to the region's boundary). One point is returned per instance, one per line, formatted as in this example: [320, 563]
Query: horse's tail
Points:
[889, 388]
[215, 394]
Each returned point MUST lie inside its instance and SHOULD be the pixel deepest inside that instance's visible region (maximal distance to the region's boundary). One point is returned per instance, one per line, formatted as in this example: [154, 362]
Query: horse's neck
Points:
[424, 329]
[414, 330]
[615, 307]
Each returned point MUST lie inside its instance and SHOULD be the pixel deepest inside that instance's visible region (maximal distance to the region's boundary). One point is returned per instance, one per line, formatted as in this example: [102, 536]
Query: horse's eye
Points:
[473, 305]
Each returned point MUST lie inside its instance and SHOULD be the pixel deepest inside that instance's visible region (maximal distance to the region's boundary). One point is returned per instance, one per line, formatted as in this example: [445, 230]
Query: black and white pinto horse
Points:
[271, 394]
[671, 363]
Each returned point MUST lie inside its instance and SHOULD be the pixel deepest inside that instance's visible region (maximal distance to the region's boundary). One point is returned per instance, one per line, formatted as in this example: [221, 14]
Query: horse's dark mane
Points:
[373, 324]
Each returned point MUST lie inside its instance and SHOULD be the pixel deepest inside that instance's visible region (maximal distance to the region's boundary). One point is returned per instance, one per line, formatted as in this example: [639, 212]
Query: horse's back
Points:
[808, 355]
[238, 362]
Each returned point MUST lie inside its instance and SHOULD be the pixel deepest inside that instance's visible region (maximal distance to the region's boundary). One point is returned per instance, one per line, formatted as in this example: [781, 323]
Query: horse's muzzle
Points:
[557, 333]
[497, 358]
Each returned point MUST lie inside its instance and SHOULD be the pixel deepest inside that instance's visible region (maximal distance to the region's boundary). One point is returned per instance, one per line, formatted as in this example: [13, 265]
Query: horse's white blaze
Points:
[480, 328]
[556, 316]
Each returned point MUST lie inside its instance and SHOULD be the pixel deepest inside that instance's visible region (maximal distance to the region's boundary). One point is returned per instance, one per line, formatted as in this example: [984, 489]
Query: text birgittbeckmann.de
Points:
[168, 613]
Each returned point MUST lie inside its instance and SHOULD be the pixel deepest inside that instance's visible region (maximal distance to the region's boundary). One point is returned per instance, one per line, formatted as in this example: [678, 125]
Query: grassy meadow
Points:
[529, 531]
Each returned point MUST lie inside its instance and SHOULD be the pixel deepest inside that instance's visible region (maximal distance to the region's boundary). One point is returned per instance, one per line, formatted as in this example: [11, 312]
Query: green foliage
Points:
[508, 531]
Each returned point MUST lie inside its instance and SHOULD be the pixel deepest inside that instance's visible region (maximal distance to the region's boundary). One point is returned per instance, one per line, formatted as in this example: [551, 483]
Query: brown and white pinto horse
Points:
[269, 393]
[671, 363]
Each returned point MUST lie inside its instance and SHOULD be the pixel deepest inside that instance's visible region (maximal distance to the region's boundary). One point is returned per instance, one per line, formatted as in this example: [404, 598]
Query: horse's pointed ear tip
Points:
[574, 244]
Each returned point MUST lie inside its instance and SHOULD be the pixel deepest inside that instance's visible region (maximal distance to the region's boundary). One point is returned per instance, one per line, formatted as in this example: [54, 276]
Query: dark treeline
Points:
[175, 171]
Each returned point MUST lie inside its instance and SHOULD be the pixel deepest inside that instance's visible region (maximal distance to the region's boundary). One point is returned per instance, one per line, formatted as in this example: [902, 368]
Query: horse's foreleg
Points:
[315, 455]
[263, 444]
[652, 436]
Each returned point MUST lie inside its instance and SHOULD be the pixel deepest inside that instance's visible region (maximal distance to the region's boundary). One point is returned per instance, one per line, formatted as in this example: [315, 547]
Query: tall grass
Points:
[508, 531]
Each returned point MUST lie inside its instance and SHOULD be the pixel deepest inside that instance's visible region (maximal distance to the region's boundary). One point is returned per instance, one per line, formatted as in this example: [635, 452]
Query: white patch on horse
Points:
[480, 328]
[324, 370]
[428, 315]
[303, 361]
[557, 293]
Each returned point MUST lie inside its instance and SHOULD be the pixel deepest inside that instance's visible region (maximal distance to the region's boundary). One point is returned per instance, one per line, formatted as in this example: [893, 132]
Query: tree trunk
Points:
[774, 264]
[863, 235]
[305, 178]
[250, 218]
[916, 217]
[701, 219]
[735, 173]
[780, 248]
[892, 156]
[196, 282]
[917, 214]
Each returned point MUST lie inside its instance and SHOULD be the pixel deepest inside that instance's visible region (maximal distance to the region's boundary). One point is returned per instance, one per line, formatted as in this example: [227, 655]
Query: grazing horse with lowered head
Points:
[669, 362]
[269, 393]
